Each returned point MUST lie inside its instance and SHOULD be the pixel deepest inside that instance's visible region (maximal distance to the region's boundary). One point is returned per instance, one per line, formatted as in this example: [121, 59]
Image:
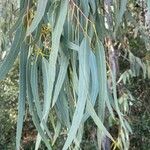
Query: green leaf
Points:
[94, 84]
[74, 74]
[120, 115]
[47, 99]
[22, 93]
[50, 67]
[94, 77]
[61, 77]
[69, 44]
[102, 78]
[13, 53]
[62, 113]
[41, 6]
[97, 120]
[82, 94]
[32, 109]
[46, 78]
[34, 88]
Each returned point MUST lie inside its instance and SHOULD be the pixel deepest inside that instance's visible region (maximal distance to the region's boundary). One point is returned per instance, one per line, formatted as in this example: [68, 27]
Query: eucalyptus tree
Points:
[69, 68]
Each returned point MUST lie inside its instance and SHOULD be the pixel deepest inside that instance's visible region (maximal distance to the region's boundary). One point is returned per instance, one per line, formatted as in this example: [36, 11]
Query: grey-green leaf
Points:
[22, 93]
[41, 6]
[82, 93]
[13, 53]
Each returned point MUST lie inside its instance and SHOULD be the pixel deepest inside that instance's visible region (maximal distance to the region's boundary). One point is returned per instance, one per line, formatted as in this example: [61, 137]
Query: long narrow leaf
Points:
[32, 109]
[61, 76]
[102, 79]
[41, 6]
[22, 93]
[13, 53]
[82, 94]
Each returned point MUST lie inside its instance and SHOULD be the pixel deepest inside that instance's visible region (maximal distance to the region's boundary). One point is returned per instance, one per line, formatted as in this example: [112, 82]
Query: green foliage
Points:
[8, 109]
[140, 120]
[68, 69]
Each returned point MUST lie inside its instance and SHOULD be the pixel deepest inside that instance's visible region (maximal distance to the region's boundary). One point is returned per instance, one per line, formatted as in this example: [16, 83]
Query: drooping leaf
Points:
[32, 109]
[34, 88]
[63, 114]
[61, 77]
[13, 53]
[41, 6]
[22, 93]
[47, 100]
[97, 120]
[82, 93]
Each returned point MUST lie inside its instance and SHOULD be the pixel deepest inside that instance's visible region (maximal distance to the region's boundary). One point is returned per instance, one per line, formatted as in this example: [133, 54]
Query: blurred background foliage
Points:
[133, 52]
